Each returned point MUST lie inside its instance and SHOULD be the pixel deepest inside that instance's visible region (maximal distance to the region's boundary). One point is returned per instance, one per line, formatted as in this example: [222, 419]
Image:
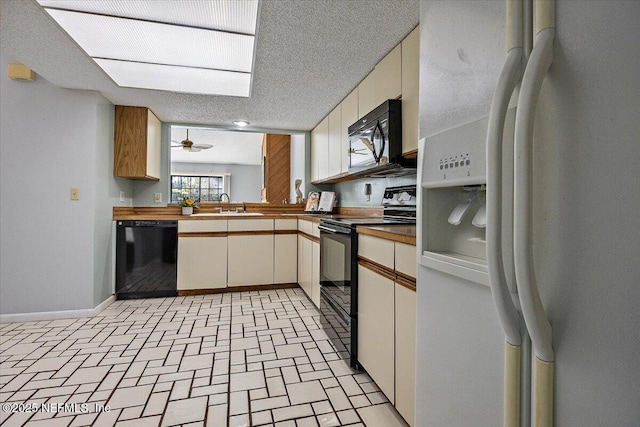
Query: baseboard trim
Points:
[190, 292]
[55, 315]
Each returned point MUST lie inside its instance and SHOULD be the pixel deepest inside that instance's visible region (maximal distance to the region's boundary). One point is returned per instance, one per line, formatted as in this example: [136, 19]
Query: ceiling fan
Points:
[188, 145]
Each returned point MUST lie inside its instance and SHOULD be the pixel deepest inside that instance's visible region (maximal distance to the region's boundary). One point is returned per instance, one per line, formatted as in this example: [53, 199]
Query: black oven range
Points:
[339, 267]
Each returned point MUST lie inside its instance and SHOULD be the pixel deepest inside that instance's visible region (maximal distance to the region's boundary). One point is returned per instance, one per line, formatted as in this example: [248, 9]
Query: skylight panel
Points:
[181, 40]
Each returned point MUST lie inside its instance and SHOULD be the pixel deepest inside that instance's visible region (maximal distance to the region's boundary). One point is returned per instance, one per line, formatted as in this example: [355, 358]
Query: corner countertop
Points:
[401, 233]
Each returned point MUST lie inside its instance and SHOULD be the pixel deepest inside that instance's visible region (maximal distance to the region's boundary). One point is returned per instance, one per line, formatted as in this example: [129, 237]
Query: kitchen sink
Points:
[229, 214]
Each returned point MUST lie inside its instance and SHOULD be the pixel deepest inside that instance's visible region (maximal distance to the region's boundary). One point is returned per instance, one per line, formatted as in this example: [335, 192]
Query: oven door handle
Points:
[332, 230]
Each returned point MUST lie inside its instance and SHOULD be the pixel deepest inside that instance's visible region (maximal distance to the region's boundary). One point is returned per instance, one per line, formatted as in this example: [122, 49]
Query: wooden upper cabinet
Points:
[320, 151]
[277, 168]
[410, 81]
[137, 143]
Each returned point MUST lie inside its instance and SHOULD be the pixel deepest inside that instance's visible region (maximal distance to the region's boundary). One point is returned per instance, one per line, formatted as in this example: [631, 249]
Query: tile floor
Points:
[225, 360]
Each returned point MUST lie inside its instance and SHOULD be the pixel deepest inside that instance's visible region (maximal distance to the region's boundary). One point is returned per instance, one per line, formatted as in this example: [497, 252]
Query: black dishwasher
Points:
[146, 254]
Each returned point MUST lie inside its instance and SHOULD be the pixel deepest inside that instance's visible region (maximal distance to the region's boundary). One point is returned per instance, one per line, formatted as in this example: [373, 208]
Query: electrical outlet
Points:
[157, 197]
[75, 193]
[122, 196]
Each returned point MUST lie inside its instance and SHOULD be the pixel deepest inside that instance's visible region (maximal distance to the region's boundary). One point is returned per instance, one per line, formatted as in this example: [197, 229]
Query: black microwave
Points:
[376, 139]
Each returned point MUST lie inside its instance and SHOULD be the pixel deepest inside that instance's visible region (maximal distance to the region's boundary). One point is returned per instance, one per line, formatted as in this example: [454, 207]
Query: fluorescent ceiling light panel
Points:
[150, 42]
[240, 16]
[177, 79]
[180, 40]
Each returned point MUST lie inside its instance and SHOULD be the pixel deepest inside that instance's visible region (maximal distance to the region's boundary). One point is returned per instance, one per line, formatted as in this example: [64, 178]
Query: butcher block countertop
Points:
[402, 233]
[253, 211]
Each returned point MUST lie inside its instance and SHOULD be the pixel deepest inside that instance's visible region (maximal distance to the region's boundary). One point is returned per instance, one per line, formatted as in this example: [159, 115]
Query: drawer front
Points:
[286, 224]
[250, 224]
[315, 231]
[200, 225]
[305, 226]
[376, 249]
[406, 259]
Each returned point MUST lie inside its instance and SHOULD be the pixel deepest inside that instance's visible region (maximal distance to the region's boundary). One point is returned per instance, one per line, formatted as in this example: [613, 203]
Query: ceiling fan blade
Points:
[202, 146]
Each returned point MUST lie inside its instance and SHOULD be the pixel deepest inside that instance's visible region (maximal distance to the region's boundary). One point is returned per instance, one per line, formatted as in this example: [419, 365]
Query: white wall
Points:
[52, 250]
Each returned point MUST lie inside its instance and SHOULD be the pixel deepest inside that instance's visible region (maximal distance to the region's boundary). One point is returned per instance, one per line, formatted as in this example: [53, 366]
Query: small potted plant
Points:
[187, 204]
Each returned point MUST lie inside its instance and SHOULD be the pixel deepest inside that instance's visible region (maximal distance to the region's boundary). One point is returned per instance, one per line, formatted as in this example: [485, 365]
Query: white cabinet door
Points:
[349, 115]
[320, 150]
[304, 264]
[376, 329]
[405, 333]
[250, 250]
[250, 260]
[406, 259]
[315, 273]
[376, 249]
[154, 140]
[285, 264]
[202, 254]
[335, 142]
[367, 94]
[388, 76]
[410, 80]
[202, 263]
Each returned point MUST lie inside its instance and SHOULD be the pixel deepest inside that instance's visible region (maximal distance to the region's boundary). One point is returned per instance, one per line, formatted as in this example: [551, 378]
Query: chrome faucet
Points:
[228, 201]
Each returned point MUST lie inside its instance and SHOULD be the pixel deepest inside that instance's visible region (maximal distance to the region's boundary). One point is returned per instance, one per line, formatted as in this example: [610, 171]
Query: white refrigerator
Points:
[585, 210]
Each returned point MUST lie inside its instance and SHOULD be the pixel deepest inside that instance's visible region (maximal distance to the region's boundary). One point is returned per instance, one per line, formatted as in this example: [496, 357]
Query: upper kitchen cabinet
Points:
[334, 166]
[410, 80]
[349, 115]
[383, 83]
[320, 150]
[137, 143]
[276, 152]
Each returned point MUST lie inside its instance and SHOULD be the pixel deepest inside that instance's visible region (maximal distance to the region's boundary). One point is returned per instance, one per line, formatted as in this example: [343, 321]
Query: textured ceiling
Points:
[309, 55]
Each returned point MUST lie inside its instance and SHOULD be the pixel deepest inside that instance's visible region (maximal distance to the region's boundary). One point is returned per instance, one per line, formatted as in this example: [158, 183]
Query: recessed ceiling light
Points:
[241, 123]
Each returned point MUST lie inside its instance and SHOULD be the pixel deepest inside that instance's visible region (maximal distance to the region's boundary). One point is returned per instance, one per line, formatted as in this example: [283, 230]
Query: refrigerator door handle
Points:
[532, 309]
[507, 313]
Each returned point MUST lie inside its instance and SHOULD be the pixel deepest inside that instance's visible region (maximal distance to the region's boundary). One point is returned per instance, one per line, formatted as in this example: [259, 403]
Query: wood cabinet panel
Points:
[367, 94]
[277, 168]
[137, 141]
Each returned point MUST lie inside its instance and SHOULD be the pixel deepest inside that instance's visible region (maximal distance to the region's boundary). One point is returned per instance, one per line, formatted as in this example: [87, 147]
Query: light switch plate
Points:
[157, 197]
[75, 193]
[122, 196]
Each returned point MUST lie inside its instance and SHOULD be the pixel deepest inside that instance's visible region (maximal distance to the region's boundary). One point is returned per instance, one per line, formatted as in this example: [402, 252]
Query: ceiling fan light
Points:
[241, 123]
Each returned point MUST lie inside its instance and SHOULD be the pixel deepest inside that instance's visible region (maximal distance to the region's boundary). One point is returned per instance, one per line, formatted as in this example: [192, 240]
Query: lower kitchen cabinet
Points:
[309, 260]
[376, 348]
[202, 255]
[250, 249]
[315, 273]
[285, 265]
[387, 319]
[304, 264]
[405, 333]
